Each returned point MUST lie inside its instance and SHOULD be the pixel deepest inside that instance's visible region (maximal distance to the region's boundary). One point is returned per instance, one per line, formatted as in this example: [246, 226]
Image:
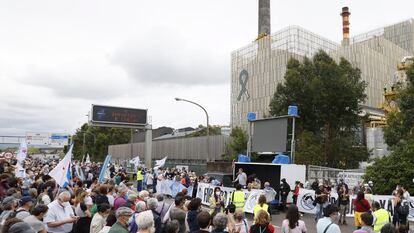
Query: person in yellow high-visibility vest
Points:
[261, 205]
[238, 197]
[381, 216]
[140, 178]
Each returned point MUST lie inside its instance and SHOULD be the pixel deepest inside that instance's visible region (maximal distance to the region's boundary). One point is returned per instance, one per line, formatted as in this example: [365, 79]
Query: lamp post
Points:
[208, 130]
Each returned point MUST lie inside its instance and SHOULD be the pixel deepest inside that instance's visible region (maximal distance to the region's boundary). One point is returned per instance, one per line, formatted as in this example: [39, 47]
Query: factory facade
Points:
[258, 68]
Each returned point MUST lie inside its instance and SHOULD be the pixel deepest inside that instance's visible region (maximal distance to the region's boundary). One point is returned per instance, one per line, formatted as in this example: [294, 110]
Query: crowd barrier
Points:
[306, 198]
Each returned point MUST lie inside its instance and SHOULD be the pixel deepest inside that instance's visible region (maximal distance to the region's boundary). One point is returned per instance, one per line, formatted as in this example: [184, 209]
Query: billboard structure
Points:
[37, 139]
[118, 117]
[269, 135]
[55, 140]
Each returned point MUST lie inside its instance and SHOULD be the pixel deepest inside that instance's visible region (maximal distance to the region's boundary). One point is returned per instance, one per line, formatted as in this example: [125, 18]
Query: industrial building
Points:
[257, 68]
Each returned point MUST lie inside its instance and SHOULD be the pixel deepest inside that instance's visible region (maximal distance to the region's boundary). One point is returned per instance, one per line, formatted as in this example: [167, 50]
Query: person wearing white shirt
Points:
[241, 178]
[99, 219]
[327, 223]
[60, 216]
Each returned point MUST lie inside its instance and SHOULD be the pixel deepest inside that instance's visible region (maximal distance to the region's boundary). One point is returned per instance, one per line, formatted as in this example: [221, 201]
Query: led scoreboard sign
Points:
[118, 117]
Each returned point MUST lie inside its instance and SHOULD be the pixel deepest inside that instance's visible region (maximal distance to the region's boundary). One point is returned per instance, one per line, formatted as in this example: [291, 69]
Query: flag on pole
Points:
[62, 172]
[104, 168]
[22, 154]
[79, 172]
[136, 161]
[88, 159]
[160, 163]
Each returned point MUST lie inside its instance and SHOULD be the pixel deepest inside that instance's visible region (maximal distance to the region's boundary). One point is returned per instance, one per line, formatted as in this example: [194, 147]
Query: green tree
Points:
[97, 140]
[327, 95]
[397, 168]
[202, 131]
[237, 145]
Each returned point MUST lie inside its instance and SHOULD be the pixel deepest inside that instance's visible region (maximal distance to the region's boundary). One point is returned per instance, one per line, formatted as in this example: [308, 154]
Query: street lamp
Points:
[208, 130]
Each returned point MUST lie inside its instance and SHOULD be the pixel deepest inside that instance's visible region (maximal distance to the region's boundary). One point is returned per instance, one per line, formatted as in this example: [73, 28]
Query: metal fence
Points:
[332, 175]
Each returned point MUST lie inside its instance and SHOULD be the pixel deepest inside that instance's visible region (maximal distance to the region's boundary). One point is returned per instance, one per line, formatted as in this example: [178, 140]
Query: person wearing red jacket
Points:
[361, 206]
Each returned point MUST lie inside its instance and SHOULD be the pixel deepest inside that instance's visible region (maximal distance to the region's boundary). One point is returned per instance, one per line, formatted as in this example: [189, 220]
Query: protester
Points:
[367, 220]
[321, 201]
[194, 208]
[110, 221]
[220, 223]
[292, 224]
[178, 213]
[388, 228]
[145, 222]
[83, 211]
[21, 227]
[381, 216]
[36, 219]
[120, 200]
[327, 223]
[203, 220]
[240, 223]
[152, 205]
[361, 206]
[284, 192]
[261, 205]
[162, 206]
[122, 216]
[60, 216]
[140, 178]
[262, 223]
[9, 205]
[216, 202]
[26, 204]
[401, 211]
[343, 201]
[173, 227]
[241, 178]
[99, 219]
[296, 192]
[237, 197]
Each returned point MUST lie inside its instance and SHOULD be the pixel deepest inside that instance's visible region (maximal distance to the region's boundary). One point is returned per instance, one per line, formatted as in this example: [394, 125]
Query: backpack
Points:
[403, 209]
[14, 213]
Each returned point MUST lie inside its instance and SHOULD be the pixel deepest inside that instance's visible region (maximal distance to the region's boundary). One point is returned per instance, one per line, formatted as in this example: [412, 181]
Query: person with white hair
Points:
[139, 208]
[143, 195]
[220, 223]
[120, 200]
[60, 217]
[152, 205]
[145, 222]
[122, 216]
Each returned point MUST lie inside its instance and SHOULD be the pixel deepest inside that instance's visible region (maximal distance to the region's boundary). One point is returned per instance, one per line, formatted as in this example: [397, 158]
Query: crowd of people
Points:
[126, 203]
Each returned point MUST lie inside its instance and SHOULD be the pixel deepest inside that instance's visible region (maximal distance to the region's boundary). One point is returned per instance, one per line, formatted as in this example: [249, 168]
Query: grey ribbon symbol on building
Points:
[243, 78]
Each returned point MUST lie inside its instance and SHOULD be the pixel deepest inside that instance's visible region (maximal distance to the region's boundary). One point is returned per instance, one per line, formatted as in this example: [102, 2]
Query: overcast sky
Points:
[59, 57]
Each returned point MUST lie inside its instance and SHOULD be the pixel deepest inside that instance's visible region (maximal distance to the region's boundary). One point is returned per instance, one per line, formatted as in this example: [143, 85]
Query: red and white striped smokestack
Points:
[345, 25]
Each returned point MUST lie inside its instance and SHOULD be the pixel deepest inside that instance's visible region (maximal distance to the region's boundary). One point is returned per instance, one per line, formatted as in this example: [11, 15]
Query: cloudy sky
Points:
[59, 57]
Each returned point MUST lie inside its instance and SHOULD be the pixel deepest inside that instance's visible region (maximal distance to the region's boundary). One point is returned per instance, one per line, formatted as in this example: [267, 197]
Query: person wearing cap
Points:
[60, 217]
[35, 220]
[21, 227]
[122, 216]
[26, 204]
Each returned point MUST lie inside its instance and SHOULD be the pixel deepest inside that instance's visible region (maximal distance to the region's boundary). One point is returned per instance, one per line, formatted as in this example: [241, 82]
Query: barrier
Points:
[306, 198]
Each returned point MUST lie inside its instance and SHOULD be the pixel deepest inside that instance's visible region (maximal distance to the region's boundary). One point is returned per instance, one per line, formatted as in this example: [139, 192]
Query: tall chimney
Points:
[345, 25]
[264, 18]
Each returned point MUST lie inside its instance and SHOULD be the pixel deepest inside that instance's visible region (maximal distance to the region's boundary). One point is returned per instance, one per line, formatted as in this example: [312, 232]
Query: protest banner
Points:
[306, 198]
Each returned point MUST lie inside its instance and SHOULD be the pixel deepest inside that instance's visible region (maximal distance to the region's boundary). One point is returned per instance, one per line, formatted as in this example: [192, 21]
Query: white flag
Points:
[20, 172]
[161, 162]
[22, 154]
[136, 161]
[88, 160]
[62, 172]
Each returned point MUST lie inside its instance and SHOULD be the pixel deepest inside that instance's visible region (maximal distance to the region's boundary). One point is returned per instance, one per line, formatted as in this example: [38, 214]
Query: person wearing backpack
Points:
[9, 205]
[26, 204]
[401, 209]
